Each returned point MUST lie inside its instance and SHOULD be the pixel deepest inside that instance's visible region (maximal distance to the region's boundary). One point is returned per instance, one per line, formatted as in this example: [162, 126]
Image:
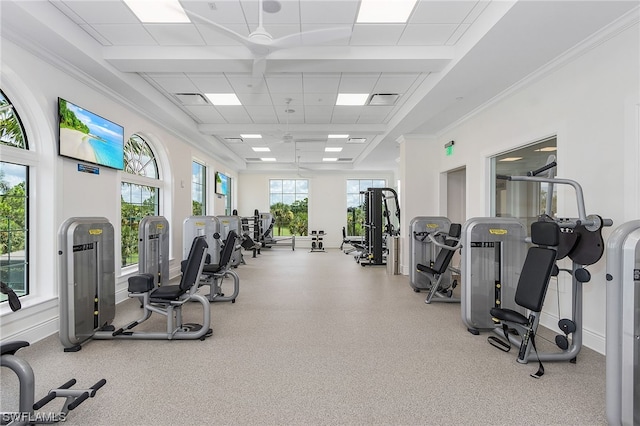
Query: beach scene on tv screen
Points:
[89, 137]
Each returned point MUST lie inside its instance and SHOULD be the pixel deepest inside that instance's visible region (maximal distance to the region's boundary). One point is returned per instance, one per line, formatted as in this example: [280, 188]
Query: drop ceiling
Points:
[446, 60]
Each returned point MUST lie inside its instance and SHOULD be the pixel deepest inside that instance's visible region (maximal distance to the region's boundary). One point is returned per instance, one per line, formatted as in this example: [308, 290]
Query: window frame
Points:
[204, 174]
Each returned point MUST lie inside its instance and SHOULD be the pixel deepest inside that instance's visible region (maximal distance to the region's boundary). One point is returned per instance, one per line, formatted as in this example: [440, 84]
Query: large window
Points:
[289, 200]
[198, 189]
[139, 194]
[355, 203]
[522, 200]
[14, 212]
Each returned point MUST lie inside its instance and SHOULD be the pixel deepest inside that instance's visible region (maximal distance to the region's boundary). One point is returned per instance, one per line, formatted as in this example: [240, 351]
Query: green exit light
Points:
[448, 150]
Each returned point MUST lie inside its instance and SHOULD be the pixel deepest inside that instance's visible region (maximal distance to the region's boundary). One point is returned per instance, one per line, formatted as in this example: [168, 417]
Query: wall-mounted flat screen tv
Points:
[87, 137]
[222, 182]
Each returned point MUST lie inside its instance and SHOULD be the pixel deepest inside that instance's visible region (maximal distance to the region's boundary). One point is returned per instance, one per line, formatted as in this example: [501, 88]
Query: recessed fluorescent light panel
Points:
[547, 149]
[356, 140]
[261, 149]
[268, 159]
[352, 98]
[329, 159]
[164, 11]
[511, 159]
[338, 136]
[223, 98]
[251, 136]
[385, 11]
[333, 149]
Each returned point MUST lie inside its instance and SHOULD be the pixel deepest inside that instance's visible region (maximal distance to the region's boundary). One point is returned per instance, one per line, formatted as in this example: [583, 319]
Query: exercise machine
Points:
[440, 272]
[623, 325]
[268, 240]
[317, 241]
[153, 248]
[382, 219]
[580, 239]
[421, 250]
[27, 414]
[493, 252]
[213, 275]
[232, 223]
[87, 289]
[202, 226]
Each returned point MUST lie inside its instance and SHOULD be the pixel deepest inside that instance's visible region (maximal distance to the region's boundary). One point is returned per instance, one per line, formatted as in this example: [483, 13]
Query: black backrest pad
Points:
[194, 261]
[454, 230]
[545, 233]
[227, 250]
[534, 278]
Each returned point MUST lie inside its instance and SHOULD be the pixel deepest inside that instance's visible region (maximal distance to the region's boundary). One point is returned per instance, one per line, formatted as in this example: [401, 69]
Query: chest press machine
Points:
[87, 289]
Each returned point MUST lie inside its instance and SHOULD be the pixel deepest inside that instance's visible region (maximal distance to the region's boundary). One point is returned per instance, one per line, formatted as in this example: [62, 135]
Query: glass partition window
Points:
[198, 189]
[289, 200]
[139, 194]
[355, 203]
[14, 205]
[522, 200]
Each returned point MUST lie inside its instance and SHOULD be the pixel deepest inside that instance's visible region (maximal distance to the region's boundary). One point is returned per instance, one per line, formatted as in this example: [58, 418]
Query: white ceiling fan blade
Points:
[257, 73]
[222, 29]
[312, 37]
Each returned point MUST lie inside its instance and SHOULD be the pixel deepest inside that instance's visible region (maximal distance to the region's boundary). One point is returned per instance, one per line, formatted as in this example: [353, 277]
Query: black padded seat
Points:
[10, 348]
[509, 315]
[225, 256]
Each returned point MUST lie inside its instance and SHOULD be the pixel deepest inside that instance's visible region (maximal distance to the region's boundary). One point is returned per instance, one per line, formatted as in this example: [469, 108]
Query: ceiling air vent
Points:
[356, 140]
[233, 140]
[345, 159]
[383, 99]
[253, 159]
[191, 99]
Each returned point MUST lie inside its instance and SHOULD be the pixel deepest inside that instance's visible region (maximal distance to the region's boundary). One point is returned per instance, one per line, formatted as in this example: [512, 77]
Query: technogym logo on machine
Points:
[25, 417]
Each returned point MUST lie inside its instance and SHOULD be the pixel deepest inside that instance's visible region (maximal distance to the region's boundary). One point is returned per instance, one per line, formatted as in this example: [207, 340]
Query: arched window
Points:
[14, 205]
[140, 194]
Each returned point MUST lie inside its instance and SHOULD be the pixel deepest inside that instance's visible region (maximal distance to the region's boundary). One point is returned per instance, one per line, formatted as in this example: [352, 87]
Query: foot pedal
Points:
[499, 343]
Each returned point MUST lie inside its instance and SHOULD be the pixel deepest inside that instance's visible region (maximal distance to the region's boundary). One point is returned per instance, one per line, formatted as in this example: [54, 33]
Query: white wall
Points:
[60, 191]
[589, 102]
[327, 199]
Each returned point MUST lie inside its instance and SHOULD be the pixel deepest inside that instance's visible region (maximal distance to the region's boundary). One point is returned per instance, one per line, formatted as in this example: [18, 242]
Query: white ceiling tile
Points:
[289, 13]
[255, 99]
[261, 113]
[222, 11]
[376, 34]
[358, 83]
[103, 12]
[206, 114]
[329, 11]
[477, 10]
[125, 34]
[310, 40]
[427, 34]
[317, 84]
[178, 84]
[289, 83]
[394, 83]
[211, 84]
[318, 114]
[212, 36]
[175, 34]
[282, 100]
[234, 114]
[320, 99]
[441, 12]
[244, 83]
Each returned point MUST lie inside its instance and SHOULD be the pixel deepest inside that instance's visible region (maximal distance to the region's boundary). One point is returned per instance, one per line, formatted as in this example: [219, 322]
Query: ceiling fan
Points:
[261, 44]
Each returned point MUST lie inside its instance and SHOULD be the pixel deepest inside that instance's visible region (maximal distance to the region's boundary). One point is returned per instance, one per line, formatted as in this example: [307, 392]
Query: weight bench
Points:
[539, 266]
[168, 300]
[435, 273]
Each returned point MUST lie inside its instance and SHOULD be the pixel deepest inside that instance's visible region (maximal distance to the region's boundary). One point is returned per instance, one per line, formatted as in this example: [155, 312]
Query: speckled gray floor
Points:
[314, 338]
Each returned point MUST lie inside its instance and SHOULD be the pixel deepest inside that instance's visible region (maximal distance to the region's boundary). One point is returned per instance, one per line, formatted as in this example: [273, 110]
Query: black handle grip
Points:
[97, 386]
[68, 384]
[503, 177]
[542, 169]
[79, 400]
[44, 401]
